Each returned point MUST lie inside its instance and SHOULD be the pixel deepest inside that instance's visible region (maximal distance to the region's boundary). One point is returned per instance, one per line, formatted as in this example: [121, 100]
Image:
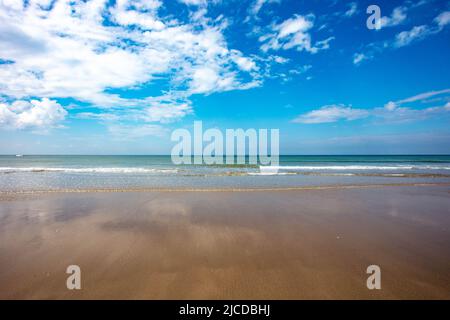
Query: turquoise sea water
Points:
[83, 172]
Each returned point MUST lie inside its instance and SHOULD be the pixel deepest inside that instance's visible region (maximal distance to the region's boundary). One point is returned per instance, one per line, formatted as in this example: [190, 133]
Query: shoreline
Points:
[249, 189]
[314, 244]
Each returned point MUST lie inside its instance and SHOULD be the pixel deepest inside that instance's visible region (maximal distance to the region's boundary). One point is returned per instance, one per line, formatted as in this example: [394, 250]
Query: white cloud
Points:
[280, 60]
[207, 79]
[165, 109]
[294, 25]
[421, 32]
[398, 15]
[258, 4]
[244, 63]
[443, 19]
[143, 16]
[166, 113]
[406, 37]
[394, 111]
[353, 9]
[293, 33]
[331, 113]
[193, 2]
[390, 106]
[71, 50]
[301, 69]
[34, 114]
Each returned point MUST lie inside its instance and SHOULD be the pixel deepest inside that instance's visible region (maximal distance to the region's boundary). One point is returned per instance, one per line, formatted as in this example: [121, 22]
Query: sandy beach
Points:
[298, 244]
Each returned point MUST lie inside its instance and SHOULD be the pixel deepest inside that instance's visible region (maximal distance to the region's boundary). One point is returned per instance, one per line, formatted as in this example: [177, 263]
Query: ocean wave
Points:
[6, 193]
[354, 167]
[262, 173]
[87, 170]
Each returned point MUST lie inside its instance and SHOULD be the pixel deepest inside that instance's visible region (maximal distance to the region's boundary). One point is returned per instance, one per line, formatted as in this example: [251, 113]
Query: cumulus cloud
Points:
[167, 113]
[293, 33]
[397, 16]
[207, 79]
[34, 114]
[84, 49]
[244, 63]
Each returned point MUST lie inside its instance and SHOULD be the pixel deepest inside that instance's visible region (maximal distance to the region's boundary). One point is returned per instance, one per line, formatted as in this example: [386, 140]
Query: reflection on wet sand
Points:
[188, 245]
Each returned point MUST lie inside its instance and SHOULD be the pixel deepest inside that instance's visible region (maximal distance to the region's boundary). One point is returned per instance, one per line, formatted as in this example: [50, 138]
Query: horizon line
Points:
[281, 155]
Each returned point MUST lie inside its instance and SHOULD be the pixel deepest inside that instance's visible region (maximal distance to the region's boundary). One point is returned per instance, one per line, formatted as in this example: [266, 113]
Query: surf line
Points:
[325, 187]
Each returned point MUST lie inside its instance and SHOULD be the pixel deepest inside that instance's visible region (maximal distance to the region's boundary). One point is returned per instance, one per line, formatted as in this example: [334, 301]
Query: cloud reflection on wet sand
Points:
[292, 244]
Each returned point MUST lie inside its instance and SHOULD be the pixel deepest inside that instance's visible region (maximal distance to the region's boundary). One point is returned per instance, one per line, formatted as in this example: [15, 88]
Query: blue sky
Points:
[117, 77]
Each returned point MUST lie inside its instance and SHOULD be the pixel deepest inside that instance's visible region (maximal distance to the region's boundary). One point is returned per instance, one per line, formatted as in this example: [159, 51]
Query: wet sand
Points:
[291, 244]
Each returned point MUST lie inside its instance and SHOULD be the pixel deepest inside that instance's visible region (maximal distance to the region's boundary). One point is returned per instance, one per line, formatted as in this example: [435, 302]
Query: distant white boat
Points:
[19, 155]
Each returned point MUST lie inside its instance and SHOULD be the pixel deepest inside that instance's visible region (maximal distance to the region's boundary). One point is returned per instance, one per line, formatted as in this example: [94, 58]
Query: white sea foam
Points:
[357, 167]
[88, 170]
[268, 173]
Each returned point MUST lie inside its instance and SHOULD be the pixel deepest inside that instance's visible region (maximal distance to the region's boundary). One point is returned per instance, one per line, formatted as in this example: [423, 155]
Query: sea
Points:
[20, 173]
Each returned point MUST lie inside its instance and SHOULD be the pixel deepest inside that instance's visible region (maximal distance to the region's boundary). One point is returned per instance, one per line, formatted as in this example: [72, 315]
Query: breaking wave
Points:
[87, 170]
